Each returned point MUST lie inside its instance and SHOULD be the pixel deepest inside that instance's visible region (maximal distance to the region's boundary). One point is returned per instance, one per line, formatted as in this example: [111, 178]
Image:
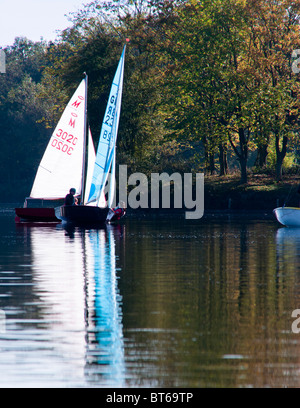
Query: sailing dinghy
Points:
[94, 209]
[61, 165]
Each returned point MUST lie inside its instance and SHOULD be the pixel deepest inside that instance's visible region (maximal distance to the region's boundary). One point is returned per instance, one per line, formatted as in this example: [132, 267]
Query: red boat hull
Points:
[36, 214]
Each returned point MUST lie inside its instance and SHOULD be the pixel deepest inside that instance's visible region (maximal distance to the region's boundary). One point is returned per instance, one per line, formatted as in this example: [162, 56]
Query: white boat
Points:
[288, 216]
[94, 209]
[61, 165]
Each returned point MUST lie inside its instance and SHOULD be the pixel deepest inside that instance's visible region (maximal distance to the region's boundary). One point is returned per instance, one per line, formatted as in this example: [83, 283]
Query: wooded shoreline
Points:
[210, 86]
[227, 196]
[260, 193]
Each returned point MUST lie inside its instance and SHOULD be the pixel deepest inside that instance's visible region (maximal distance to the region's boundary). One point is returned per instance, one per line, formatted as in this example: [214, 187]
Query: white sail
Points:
[61, 166]
[108, 137]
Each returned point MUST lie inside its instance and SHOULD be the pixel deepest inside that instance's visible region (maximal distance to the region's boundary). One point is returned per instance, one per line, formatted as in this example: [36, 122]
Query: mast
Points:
[84, 141]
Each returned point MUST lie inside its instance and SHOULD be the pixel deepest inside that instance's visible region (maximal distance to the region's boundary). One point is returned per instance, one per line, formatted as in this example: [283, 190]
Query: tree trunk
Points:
[223, 160]
[206, 155]
[243, 165]
[278, 170]
[242, 152]
[280, 155]
[262, 153]
[212, 167]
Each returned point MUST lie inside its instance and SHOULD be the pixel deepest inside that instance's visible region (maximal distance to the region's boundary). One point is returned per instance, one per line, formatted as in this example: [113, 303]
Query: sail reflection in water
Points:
[75, 279]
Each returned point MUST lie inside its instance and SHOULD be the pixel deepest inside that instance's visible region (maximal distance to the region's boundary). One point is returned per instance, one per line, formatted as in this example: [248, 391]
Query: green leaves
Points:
[230, 73]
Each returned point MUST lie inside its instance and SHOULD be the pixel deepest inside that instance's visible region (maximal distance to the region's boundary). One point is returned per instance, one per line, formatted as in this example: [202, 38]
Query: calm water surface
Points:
[149, 304]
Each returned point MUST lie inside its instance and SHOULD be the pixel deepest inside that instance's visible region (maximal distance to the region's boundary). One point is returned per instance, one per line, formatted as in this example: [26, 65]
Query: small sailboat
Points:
[94, 209]
[61, 164]
[288, 216]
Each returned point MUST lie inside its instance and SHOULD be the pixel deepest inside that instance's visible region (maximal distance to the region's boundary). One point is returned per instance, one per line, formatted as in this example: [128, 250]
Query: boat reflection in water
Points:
[288, 257]
[75, 279]
[288, 238]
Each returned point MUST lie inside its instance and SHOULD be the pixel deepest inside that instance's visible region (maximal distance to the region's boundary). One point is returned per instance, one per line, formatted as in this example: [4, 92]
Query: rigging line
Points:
[44, 168]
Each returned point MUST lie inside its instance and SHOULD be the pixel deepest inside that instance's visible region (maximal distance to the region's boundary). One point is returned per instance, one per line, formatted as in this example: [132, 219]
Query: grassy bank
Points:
[260, 193]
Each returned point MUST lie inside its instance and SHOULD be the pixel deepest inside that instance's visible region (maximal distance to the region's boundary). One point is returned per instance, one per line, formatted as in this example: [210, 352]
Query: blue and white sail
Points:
[105, 158]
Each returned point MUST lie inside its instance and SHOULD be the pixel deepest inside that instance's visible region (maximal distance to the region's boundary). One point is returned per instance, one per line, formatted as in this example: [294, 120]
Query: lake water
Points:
[149, 303]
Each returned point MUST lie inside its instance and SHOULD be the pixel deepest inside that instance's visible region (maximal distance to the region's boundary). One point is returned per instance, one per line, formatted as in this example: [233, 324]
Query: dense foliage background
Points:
[209, 87]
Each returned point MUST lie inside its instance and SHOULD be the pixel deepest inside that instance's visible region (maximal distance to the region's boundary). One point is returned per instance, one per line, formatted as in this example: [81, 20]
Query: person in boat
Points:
[69, 198]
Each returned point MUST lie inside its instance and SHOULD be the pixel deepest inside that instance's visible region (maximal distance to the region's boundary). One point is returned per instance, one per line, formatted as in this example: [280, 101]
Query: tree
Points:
[229, 76]
[20, 111]
[207, 81]
[273, 28]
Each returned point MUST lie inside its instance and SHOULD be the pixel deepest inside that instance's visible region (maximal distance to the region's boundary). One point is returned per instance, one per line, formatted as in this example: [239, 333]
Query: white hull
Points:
[288, 216]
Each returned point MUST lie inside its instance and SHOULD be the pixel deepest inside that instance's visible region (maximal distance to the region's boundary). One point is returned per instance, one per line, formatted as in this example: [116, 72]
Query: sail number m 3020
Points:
[65, 138]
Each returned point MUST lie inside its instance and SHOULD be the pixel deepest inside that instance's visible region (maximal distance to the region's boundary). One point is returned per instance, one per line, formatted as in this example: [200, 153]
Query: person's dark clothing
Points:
[69, 199]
